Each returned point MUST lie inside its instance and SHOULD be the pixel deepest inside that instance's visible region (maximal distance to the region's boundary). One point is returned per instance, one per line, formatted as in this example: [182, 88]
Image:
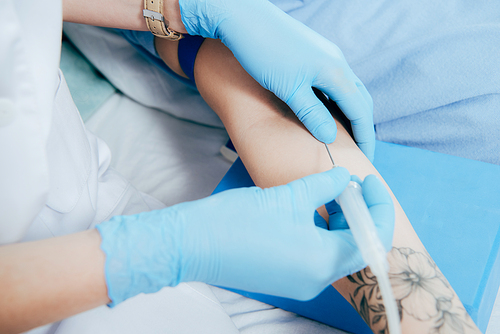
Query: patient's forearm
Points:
[277, 149]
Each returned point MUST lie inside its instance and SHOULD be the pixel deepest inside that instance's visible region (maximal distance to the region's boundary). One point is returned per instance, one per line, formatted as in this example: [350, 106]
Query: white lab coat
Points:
[55, 176]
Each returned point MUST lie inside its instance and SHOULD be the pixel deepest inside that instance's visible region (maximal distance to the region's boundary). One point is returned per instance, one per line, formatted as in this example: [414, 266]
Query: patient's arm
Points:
[277, 149]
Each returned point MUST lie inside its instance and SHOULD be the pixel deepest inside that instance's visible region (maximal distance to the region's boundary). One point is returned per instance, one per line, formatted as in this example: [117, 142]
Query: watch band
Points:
[153, 13]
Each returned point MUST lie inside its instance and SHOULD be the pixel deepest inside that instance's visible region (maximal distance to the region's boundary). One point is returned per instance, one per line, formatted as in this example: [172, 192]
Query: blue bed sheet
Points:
[432, 67]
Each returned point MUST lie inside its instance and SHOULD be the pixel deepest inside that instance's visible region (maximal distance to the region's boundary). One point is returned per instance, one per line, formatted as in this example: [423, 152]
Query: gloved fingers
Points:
[366, 95]
[320, 221]
[370, 144]
[315, 190]
[379, 204]
[381, 208]
[332, 208]
[336, 216]
[336, 220]
[313, 114]
[356, 179]
[364, 136]
[347, 258]
[350, 97]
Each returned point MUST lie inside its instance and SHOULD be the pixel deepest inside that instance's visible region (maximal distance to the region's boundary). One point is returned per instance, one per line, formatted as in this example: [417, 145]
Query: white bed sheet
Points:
[494, 324]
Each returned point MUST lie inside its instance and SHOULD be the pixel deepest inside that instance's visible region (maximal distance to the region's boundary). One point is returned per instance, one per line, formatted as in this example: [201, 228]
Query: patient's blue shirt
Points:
[432, 67]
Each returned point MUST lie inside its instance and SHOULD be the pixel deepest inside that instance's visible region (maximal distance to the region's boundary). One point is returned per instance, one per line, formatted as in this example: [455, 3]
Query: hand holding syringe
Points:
[362, 227]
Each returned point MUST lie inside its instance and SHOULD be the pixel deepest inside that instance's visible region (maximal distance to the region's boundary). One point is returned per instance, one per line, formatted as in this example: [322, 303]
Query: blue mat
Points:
[453, 204]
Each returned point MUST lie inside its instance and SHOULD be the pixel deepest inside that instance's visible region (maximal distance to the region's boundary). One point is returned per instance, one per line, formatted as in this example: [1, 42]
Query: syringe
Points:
[363, 229]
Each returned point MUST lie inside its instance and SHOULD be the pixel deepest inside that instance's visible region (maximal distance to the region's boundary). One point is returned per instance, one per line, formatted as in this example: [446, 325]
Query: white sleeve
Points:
[28, 82]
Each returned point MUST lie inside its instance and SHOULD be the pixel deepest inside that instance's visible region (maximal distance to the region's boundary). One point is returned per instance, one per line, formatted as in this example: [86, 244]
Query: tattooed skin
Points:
[421, 292]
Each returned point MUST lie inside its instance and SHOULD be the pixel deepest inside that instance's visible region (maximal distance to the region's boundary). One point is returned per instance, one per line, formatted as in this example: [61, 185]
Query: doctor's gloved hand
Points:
[287, 58]
[260, 240]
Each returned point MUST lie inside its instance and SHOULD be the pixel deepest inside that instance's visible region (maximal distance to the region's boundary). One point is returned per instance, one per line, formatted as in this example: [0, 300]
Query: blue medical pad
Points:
[453, 204]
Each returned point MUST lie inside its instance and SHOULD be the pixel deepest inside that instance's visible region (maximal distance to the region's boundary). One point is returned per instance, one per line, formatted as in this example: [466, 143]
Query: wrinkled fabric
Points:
[432, 68]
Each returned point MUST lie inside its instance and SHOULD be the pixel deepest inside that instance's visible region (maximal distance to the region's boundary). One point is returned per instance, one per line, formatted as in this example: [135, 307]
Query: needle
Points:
[329, 154]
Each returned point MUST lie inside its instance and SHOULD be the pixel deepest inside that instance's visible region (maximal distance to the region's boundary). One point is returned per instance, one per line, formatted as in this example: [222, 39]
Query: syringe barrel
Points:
[363, 229]
[361, 224]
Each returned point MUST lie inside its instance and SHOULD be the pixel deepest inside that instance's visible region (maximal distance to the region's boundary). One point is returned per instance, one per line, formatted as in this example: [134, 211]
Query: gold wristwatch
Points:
[153, 13]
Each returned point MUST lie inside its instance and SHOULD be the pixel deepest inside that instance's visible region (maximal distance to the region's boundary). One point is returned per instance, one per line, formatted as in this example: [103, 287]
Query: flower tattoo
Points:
[417, 284]
[421, 292]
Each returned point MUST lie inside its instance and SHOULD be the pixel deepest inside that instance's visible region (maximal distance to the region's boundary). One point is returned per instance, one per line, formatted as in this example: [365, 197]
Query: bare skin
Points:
[33, 296]
[277, 149]
[123, 14]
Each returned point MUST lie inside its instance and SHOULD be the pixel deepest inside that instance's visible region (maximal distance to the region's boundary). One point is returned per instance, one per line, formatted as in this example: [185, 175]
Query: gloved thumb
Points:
[357, 105]
[313, 114]
[317, 189]
[381, 208]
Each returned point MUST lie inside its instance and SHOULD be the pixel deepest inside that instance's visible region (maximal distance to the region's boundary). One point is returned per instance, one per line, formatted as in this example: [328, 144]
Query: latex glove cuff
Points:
[130, 268]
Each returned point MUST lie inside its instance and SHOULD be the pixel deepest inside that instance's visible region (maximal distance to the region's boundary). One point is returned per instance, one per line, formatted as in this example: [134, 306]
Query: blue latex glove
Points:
[287, 58]
[260, 240]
